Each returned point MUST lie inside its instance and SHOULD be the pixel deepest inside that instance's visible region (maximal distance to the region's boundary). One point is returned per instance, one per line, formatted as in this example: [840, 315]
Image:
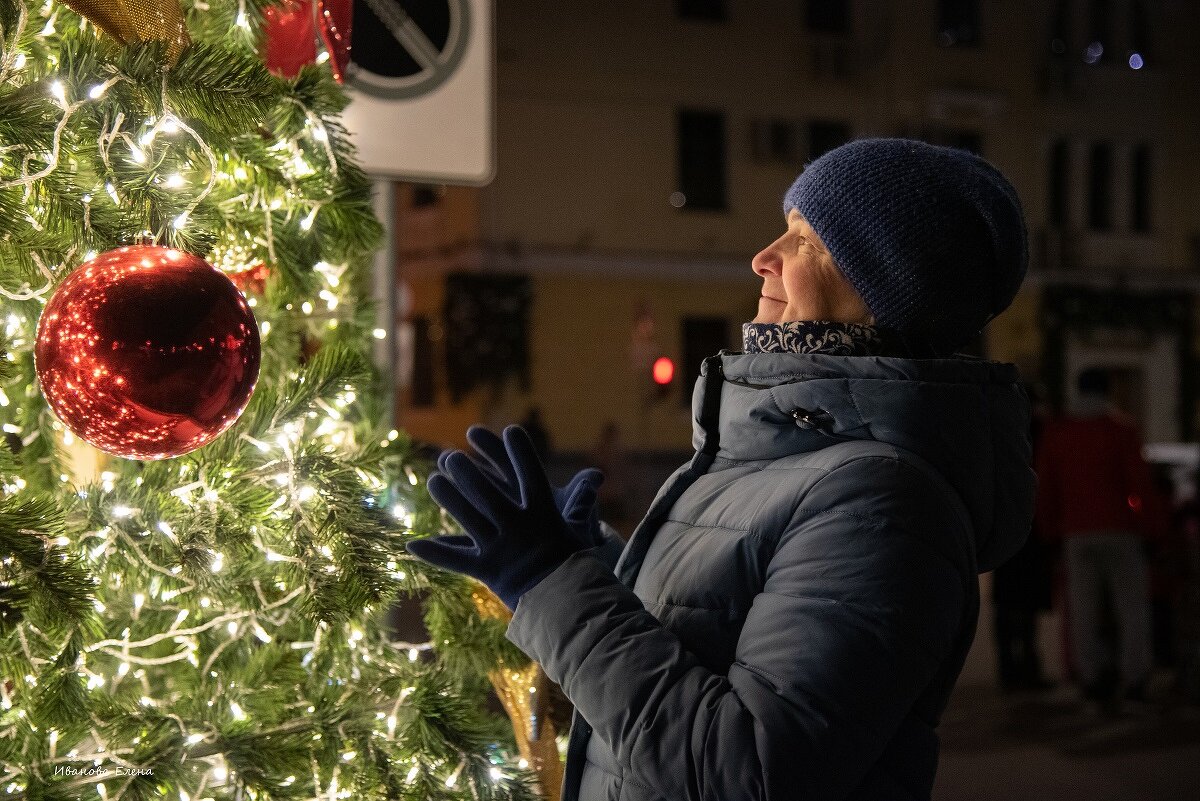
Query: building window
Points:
[774, 140]
[702, 337]
[1100, 45]
[958, 23]
[422, 394]
[425, 195]
[1060, 28]
[1139, 182]
[1058, 181]
[1100, 187]
[702, 160]
[711, 10]
[1139, 30]
[825, 135]
[828, 16]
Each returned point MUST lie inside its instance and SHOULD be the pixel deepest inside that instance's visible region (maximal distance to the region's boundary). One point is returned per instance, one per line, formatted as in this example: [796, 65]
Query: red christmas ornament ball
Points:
[147, 352]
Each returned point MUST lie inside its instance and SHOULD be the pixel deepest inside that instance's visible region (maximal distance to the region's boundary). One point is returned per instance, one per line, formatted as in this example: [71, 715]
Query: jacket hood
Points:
[967, 417]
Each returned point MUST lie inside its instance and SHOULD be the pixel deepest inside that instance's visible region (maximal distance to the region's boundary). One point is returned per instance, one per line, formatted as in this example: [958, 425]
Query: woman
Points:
[788, 620]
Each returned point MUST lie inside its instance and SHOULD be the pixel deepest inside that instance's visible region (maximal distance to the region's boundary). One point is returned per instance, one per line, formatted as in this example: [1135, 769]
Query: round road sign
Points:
[406, 48]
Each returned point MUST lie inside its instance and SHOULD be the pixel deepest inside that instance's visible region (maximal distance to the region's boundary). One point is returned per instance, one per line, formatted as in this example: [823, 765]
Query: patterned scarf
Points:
[819, 336]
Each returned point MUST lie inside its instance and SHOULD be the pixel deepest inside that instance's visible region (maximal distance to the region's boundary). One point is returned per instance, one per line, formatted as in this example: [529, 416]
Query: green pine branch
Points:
[217, 623]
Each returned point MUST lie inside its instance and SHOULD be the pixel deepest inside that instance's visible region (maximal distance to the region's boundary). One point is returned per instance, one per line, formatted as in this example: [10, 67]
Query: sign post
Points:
[422, 89]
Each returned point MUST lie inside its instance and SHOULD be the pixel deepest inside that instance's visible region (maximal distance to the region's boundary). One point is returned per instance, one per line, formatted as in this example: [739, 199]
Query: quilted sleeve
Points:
[863, 601]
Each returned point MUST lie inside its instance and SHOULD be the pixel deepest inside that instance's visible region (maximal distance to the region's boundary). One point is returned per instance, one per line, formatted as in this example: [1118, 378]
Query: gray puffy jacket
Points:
[790, 617]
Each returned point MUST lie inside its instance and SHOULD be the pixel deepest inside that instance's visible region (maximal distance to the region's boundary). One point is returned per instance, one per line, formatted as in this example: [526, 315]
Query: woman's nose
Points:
[767, 262]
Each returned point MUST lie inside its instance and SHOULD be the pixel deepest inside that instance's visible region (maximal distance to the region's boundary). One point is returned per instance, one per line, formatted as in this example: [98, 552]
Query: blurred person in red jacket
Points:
[1096, 494]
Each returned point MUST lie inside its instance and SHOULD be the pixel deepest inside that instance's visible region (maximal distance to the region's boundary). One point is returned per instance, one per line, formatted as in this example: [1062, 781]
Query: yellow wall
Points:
[580, 365]
[1015, 335]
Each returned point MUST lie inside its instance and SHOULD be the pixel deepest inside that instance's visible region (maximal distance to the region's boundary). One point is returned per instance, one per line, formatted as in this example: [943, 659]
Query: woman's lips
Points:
[768, 297]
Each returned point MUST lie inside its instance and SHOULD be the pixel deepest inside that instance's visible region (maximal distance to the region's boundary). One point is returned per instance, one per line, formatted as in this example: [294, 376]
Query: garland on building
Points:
[211, 626]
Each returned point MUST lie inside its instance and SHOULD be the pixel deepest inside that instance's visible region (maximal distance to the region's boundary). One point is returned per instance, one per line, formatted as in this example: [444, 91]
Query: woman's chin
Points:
[769, 310]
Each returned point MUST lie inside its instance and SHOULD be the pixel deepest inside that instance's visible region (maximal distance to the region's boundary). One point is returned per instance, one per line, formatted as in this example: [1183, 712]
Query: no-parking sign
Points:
[421, 84]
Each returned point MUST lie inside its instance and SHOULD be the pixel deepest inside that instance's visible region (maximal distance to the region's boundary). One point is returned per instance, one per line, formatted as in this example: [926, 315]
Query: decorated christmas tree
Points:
[197, 608]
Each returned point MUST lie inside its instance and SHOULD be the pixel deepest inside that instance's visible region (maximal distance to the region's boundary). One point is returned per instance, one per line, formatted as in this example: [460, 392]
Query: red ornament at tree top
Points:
[290, 35]
[147, 352]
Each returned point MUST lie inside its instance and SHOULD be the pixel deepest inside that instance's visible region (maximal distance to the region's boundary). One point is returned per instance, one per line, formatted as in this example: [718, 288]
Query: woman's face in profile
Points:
[801, 282]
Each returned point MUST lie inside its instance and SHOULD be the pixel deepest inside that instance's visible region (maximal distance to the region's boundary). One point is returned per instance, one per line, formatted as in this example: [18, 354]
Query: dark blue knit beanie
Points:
[932, 238]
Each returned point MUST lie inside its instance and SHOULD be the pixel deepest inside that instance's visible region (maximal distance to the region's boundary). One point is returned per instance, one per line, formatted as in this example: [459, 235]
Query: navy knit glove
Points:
[511, 542]
[584, 519]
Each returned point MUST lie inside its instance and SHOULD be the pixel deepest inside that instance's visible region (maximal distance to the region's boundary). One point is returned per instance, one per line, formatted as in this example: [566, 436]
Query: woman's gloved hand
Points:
[496, 465]
[513, 539]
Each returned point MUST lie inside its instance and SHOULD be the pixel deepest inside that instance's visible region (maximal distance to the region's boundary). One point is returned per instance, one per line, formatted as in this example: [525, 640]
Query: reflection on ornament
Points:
[147, 352]
[252, 280]
[289, 39]
[335, 18]
[290, 30]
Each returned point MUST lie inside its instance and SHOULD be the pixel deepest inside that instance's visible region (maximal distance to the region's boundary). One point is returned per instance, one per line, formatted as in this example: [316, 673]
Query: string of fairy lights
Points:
[236, 251]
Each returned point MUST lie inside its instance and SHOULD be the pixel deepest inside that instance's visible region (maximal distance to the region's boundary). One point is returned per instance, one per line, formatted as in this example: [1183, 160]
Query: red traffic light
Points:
[663, 370]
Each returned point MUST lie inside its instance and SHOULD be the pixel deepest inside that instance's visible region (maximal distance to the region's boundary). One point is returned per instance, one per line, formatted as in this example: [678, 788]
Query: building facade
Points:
[644, 147]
